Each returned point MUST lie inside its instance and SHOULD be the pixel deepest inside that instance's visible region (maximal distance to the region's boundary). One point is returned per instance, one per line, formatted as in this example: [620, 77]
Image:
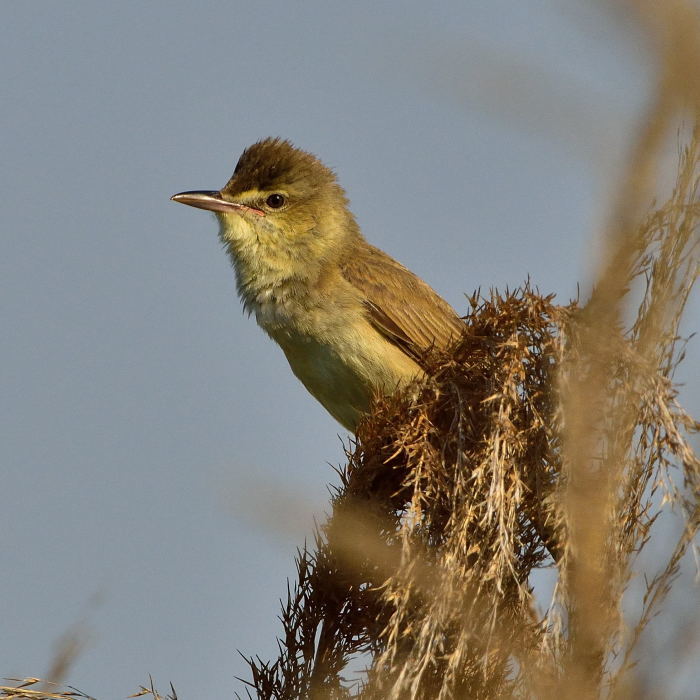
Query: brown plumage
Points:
[427, 321]
[351, 320]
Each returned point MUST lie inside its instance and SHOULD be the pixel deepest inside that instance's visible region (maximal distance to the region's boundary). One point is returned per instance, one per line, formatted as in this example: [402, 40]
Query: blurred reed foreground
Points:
[551, 437]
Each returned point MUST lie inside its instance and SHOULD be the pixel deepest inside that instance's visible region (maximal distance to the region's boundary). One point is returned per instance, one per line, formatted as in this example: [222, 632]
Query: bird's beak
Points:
[212, 201]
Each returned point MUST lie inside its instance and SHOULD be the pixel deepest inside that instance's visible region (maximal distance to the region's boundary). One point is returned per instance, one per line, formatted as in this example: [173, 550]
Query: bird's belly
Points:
[346, 374]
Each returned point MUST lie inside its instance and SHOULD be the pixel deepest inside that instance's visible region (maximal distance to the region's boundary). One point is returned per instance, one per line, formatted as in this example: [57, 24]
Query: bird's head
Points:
[281, 204]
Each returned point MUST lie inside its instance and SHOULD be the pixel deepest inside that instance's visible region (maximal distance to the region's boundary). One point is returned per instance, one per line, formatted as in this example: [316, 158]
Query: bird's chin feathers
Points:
[273, 267]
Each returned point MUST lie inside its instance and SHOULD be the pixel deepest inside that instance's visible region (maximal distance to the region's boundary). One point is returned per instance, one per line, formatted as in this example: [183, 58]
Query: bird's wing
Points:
[399, 304]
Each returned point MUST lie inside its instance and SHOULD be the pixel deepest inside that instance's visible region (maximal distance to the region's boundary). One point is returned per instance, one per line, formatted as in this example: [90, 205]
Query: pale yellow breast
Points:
[344, 371]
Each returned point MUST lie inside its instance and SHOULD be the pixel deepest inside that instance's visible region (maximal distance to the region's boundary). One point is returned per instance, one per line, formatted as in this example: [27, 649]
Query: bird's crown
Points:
[273, 164]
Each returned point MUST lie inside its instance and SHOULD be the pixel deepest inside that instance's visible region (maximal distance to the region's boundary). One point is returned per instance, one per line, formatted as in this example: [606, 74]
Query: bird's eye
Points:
[275, 201]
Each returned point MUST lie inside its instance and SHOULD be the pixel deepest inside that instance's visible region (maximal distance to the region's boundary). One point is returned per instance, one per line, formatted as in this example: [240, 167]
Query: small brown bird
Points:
[351, 320]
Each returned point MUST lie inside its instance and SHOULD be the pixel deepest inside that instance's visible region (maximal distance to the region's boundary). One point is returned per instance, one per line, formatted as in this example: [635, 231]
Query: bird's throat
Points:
[275, 274]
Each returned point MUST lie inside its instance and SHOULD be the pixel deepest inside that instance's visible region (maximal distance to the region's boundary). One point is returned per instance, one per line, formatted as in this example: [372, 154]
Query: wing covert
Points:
[402, 307]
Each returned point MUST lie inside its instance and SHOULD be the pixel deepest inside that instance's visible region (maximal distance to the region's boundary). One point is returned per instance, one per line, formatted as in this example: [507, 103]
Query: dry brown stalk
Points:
[38, 689]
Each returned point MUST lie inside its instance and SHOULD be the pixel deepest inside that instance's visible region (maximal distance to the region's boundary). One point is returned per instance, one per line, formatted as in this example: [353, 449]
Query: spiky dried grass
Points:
[38, 689]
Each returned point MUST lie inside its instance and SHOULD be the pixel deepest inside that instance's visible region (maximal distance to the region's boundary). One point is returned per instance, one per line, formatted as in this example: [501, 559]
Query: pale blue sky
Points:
[148, 427]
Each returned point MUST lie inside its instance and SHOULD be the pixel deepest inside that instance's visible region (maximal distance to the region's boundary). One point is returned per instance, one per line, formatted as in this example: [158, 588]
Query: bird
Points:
[352, 322]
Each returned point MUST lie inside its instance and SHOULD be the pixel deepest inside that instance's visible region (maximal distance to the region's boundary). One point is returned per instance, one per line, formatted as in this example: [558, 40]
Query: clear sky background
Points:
[160, 463]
